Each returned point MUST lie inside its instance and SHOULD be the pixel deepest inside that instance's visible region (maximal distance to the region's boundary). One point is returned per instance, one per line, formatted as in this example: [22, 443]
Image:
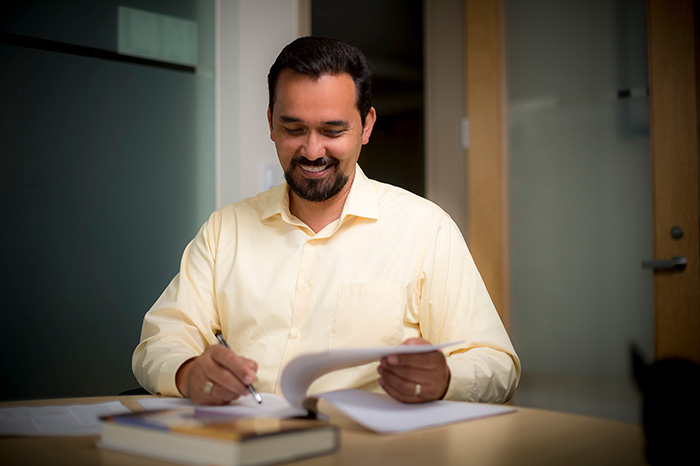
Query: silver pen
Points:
[252, 389]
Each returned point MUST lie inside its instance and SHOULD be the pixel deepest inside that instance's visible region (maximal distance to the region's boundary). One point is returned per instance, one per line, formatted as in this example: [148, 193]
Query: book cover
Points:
[193, 436]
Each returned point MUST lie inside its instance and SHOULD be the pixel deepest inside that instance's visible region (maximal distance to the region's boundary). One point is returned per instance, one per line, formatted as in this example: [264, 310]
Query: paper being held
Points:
[303, 370]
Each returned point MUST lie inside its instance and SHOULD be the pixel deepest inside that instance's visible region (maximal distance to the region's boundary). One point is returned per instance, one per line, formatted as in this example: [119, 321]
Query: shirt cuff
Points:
[166, 385]
[462, 382]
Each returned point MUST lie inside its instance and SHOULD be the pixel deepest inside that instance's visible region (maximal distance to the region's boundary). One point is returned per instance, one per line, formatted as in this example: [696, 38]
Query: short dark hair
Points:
[317, 56]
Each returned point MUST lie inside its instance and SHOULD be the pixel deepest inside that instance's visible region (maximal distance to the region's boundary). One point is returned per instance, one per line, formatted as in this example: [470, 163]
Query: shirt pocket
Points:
[368, 314]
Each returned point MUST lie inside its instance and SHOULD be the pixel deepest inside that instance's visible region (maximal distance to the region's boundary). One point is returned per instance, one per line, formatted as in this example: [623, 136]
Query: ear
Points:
[269, 123]
[370, 119]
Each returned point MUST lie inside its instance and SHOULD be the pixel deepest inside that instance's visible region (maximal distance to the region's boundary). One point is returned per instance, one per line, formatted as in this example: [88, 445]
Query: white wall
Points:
[445, 161]
[250, 34]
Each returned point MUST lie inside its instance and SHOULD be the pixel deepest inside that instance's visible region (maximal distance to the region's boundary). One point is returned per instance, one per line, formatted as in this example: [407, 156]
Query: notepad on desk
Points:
[377, 412]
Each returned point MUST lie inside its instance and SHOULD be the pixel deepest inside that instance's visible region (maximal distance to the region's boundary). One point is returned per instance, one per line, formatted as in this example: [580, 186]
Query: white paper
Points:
[385, 415]
[304, 369]
[272, 406]
[57, 420]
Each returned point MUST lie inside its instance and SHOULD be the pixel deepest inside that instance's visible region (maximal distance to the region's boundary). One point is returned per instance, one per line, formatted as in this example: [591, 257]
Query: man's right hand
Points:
[217, 377]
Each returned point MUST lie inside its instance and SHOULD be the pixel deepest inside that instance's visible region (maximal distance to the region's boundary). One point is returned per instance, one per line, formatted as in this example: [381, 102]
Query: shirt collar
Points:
[362, 198]
[361, 201]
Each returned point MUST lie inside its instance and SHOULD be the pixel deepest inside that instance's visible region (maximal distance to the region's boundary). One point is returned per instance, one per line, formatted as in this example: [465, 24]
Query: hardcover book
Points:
[194, 436]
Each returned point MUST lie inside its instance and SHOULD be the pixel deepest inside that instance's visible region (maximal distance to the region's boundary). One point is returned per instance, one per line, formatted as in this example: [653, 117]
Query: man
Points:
[328, 260]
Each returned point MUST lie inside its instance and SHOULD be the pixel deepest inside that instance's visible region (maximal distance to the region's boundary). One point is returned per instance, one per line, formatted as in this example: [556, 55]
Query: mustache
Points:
[301, 160]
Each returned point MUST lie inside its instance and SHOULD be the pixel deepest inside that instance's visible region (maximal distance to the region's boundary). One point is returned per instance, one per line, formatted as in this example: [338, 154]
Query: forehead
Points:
[301, 93]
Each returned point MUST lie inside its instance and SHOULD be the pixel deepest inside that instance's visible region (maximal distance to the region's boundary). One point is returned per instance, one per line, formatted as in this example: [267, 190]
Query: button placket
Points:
[301, 307]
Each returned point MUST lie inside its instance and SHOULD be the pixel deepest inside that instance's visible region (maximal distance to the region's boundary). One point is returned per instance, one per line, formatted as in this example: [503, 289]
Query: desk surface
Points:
[528, 436]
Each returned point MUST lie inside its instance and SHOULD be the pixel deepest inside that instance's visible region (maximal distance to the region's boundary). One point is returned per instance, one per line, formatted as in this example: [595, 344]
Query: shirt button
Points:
[304, 287]
[294, 332]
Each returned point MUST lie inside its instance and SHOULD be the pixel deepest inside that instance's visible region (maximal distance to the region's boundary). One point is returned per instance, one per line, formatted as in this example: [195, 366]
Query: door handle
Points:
[675, 264]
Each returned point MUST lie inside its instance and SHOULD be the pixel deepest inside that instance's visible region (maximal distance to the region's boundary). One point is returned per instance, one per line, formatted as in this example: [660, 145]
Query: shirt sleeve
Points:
[181, 323]
[455, 306]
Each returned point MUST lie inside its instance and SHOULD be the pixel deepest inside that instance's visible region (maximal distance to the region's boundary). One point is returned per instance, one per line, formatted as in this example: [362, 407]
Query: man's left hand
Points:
[417, 377]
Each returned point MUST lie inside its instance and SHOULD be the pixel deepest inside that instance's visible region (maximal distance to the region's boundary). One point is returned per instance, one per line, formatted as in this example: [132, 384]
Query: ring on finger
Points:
[417, 390]
[208, 387]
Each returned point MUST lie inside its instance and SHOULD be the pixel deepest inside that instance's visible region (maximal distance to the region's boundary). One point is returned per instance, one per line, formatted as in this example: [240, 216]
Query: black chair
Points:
[135, 391]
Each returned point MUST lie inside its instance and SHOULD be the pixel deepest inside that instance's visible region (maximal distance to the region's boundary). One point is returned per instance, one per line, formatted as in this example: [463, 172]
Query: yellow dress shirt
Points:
[393, 266]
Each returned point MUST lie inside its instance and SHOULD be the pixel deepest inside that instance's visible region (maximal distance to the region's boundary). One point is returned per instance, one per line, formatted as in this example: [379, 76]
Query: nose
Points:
[312, 147]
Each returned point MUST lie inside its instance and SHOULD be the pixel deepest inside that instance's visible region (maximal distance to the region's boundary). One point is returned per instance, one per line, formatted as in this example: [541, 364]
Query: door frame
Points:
[487, 156]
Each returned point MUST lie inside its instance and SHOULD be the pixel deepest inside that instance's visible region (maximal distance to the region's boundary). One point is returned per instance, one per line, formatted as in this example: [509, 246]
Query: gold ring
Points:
[208, 387]
[417, 390]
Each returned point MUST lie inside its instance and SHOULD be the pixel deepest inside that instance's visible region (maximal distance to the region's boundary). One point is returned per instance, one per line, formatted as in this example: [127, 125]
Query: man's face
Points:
[318, 133]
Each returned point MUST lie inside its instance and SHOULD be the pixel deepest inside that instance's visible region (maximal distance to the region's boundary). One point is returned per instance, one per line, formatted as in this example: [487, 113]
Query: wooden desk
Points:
[529, 436]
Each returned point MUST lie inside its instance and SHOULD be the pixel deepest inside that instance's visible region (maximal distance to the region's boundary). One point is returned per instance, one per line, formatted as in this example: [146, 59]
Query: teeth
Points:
[313, 169]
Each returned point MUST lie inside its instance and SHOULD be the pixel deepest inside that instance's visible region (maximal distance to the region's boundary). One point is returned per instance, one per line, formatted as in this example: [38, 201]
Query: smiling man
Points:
[330, 259]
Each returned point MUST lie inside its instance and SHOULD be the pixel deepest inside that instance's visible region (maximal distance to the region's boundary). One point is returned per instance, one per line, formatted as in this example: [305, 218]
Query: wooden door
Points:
[673, 96]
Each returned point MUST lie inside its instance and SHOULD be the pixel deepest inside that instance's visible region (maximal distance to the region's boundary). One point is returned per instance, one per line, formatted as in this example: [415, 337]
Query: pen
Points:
[252, 389]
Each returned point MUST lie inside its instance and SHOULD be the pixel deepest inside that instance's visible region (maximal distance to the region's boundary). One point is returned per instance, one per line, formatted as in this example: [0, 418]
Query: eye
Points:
[333, 133]
[292, 130]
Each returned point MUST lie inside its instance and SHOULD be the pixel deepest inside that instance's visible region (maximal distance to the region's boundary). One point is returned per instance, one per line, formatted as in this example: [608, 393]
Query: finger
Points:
[235, 373]
[403, 379]
[205, 386]
[218, 394]
[210, 382]
[205, 392]
[429, 360]
[423, 359]
[240, 367]
[227, 385]
[250, 363]
[401, 389]
[416, 341]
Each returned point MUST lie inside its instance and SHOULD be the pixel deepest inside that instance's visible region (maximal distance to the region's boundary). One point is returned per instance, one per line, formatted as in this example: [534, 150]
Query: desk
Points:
[528, 436]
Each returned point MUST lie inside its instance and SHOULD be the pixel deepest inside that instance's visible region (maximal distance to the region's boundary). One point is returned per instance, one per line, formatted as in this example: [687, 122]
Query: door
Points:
[564, 183]
[674, 137]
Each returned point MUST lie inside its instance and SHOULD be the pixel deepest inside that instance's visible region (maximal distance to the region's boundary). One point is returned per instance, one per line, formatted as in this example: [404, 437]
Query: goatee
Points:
[316, 190]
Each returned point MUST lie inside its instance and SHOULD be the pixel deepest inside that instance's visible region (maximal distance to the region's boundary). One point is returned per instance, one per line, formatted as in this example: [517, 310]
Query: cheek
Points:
[344, 148]
[285, 145]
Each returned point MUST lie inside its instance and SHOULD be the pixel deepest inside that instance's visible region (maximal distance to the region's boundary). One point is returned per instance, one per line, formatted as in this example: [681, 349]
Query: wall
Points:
[250, 35]
[107, 171]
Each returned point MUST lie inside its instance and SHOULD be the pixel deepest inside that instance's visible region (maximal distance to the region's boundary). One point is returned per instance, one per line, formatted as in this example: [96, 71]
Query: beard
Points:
[316, 190]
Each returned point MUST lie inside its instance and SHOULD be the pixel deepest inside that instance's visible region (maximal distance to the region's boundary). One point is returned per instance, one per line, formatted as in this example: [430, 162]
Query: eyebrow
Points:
[288, 119]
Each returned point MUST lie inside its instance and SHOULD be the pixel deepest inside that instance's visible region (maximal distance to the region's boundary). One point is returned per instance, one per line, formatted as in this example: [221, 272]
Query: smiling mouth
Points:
[314, 168]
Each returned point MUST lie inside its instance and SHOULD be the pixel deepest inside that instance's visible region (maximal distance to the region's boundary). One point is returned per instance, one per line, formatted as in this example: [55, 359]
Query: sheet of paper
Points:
[304, 369]
[385, 415]
[272, 405]
[57, 420]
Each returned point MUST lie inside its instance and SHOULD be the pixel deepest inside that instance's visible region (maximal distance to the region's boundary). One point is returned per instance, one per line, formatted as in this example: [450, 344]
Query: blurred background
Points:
[126, 123]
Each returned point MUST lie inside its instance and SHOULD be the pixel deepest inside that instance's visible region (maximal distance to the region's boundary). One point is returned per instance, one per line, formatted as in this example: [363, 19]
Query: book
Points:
[193, 436]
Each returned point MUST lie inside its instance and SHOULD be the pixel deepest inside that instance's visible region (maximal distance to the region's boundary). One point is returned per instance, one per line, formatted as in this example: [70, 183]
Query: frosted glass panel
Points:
[106, 172]
[580, 199]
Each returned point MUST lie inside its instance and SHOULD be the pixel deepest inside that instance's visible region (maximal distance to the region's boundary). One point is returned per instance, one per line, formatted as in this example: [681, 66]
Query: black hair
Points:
[317, 56]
